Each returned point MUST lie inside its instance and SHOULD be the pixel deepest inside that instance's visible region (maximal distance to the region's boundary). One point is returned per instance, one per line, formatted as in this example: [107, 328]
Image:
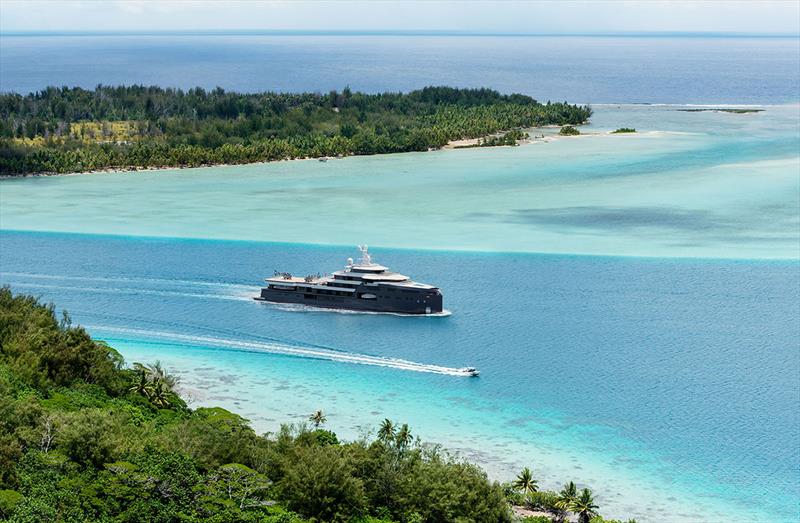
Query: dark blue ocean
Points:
[697, 70]
[685, 370]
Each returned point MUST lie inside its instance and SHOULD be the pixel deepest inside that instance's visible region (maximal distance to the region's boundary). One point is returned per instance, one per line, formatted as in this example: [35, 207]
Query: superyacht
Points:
[362, 286]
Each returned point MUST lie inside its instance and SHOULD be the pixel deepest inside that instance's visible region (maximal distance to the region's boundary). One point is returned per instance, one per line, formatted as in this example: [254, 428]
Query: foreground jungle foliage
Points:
[60, 130]
[85, 438]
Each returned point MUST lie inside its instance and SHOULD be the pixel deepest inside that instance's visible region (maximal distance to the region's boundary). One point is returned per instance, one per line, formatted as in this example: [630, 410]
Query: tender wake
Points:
[285, 349]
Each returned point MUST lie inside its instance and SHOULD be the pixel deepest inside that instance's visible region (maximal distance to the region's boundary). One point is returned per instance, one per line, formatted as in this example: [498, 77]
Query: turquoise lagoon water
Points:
[667, 380]
[688, 184]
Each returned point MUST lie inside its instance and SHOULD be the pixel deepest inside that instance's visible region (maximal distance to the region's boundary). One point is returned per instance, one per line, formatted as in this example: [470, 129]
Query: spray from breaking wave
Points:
[310, 352]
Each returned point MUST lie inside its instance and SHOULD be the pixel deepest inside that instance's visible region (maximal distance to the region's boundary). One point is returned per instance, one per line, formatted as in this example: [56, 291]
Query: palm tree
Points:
[141, 367]
[158, 395]
[142, 386]
[567, 495]
[584, 506]
[318, 418]
[386, 432]
[525, 482]
[156, 372]
[403, 437]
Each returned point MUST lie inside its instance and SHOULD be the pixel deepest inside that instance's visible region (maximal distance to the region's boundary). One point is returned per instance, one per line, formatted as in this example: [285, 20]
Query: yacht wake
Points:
[298, 307]
[130, 290]
[318, 353]
[132, 285]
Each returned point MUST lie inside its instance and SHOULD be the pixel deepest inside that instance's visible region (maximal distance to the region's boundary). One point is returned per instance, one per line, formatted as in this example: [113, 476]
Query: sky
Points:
[511, 16]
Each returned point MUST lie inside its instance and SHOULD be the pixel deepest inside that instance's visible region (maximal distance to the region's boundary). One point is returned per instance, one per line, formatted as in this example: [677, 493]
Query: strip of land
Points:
[65, 130]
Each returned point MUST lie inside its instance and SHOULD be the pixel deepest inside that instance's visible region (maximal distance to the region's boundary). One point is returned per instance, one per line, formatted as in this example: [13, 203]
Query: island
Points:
[65, 130]
[86, 437]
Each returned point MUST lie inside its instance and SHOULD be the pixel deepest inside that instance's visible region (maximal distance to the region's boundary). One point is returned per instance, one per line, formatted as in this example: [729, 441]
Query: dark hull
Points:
[418, 302]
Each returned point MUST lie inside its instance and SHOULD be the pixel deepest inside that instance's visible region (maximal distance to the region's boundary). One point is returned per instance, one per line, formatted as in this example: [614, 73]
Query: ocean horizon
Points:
[685, 68]
[390, 32]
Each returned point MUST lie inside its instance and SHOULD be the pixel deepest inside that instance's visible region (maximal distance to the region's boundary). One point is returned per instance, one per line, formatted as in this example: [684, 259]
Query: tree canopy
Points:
[63, 129]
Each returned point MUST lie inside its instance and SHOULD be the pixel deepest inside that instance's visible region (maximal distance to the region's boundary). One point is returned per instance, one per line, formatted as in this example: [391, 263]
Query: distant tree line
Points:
[65, 129]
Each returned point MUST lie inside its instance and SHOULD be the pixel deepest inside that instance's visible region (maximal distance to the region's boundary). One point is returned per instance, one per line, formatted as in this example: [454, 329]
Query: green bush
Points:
[325, 437]
[9, 499]
[537, 519]
[542, 500]
[319, 483]
[90, 437]
[510, 138]
[622, 130]
[569, 130]
[600, 519]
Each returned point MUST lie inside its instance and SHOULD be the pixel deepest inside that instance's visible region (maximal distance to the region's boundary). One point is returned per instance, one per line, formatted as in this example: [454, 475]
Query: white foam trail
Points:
[34, 275]
[289, 350]
[297, 307]
[129, 290]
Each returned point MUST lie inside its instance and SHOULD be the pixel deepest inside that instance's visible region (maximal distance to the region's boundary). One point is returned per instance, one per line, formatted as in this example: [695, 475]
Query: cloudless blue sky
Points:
[598, 16]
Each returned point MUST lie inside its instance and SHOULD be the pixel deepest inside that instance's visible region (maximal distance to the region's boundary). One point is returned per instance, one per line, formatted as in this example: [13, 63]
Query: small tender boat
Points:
[470, 371]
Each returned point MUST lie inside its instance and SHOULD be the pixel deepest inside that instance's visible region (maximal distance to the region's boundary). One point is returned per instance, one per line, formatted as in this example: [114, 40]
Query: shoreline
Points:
[464, 143]
[500, 461]
[453, 145]
[133, 169]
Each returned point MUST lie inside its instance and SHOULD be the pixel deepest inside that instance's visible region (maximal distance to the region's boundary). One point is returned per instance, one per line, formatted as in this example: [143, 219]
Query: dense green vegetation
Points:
[85, 438]
[509, 138]
[62, 130]
[512, 138]
[569, 130]
[623, 130]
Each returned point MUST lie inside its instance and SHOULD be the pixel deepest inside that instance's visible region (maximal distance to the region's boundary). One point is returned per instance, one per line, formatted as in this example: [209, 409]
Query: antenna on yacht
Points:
[366, 259]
